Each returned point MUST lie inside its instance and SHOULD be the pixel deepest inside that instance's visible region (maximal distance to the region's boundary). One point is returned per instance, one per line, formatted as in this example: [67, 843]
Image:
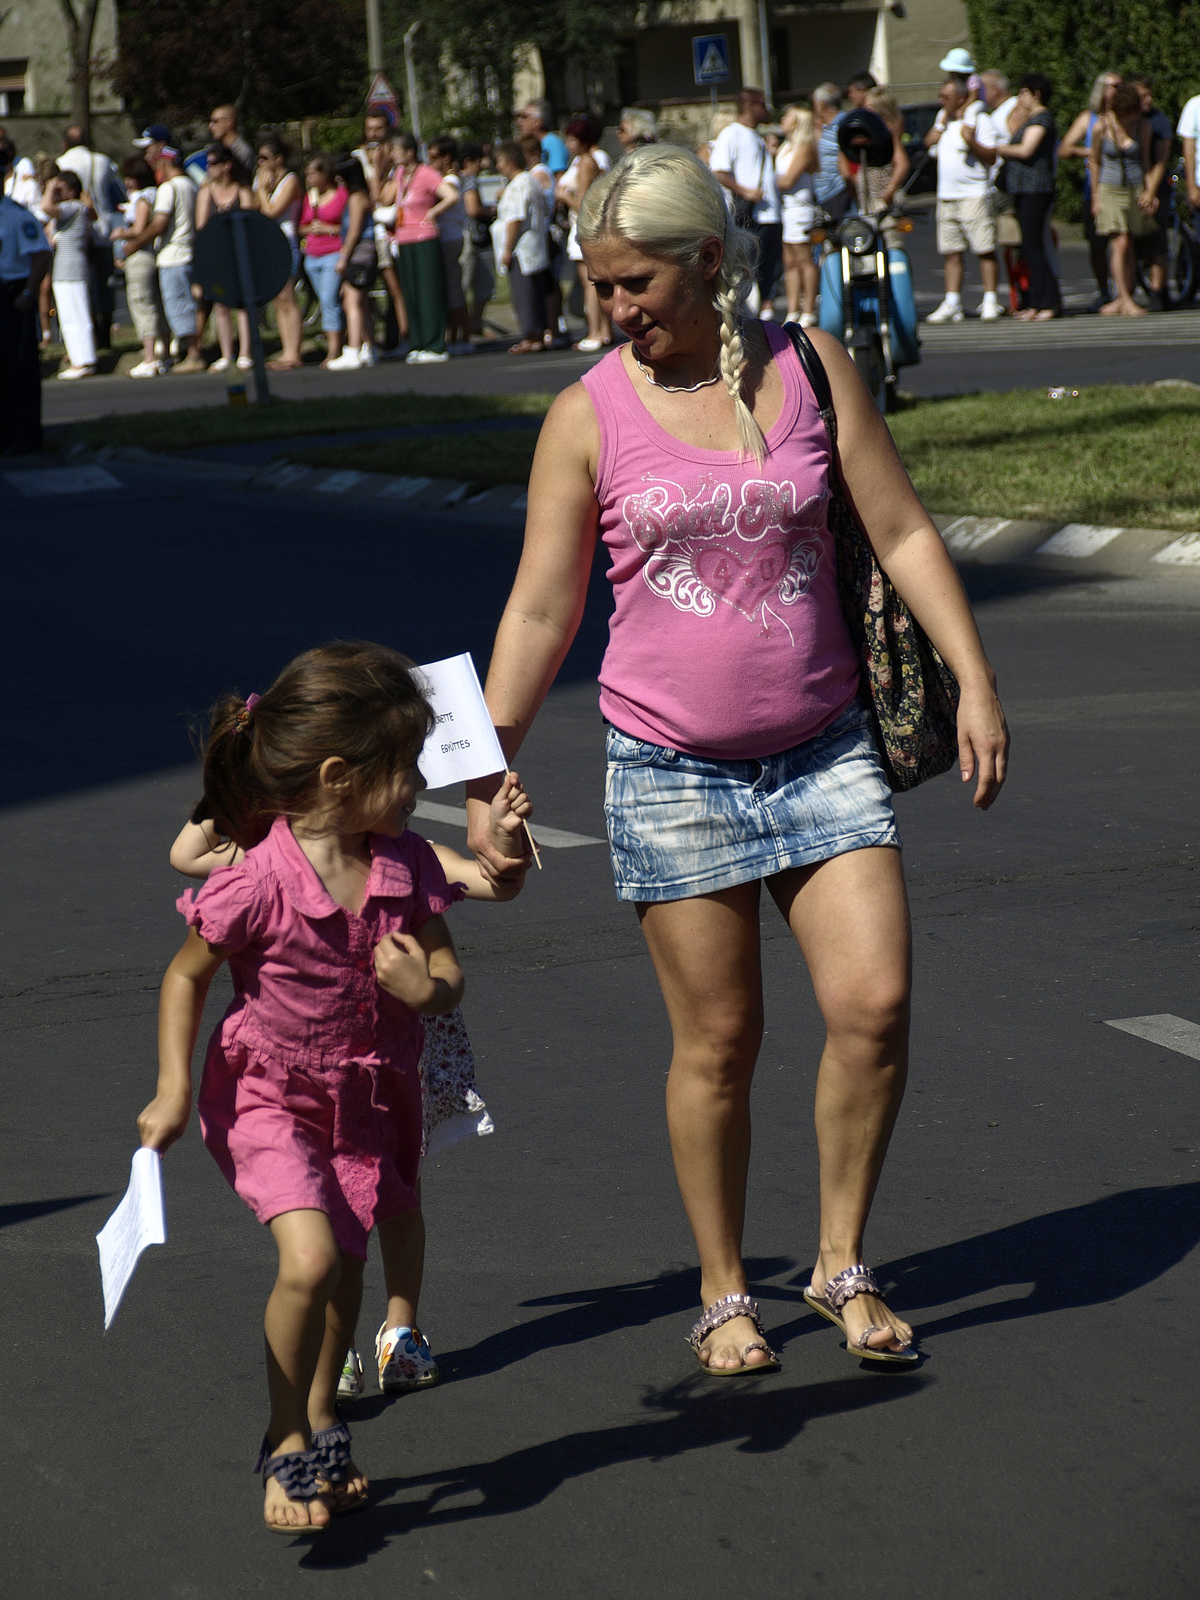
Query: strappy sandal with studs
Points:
[298, 1473]
[723, 1311]
[331, 1446]
[840, 1289]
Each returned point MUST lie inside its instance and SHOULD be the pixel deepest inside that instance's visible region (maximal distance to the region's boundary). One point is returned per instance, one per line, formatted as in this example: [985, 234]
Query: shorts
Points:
[175, 284]
[452, 272]
[966, 225]
[1119, 212]
[798, 223]
[681, 825]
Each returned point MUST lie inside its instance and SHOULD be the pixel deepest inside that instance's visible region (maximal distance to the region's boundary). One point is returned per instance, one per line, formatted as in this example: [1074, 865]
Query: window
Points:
[12, 87]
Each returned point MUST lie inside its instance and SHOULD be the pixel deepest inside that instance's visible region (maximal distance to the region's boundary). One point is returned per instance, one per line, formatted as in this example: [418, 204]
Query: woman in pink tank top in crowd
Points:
[739, 750]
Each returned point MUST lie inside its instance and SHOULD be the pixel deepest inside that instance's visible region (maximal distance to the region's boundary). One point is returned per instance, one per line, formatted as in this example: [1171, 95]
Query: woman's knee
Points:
[877, 1010]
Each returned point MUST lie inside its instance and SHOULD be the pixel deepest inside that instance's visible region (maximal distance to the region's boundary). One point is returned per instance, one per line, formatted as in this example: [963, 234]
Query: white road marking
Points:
[404, 488]
[62, 480]
[1078, 539]
[284, 475]
[1174, 1033]
[552, 838]
[339, 482]
[1184, 552]
[968, 533]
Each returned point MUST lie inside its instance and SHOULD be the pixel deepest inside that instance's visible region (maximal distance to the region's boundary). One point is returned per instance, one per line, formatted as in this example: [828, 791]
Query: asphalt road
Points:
[1038, 1215]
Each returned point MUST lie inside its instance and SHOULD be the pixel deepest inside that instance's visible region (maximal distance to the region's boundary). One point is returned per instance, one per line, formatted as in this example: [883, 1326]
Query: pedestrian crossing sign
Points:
[710, 58]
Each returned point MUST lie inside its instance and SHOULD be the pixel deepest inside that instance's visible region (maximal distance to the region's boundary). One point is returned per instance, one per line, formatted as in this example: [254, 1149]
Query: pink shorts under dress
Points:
[311, 1094]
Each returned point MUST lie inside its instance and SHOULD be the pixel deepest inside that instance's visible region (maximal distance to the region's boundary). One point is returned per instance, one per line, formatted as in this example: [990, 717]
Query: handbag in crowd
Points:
[911, 693]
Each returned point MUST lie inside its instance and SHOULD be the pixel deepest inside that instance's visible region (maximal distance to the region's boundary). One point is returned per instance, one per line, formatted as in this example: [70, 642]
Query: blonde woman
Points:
[739, 752]
[795, 164]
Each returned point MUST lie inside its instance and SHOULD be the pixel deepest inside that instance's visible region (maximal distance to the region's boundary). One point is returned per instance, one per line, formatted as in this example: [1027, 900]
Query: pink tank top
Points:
[727, 638]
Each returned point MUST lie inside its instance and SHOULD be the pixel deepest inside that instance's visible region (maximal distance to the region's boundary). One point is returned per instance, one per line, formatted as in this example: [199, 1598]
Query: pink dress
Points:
[311, 1095]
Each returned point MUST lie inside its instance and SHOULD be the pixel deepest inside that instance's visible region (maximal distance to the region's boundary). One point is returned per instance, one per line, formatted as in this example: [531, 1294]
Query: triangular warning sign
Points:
[713, 65]
[381, 92]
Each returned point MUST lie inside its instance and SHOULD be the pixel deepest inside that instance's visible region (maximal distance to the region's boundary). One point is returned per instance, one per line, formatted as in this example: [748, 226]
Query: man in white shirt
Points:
[1189, 131]
[964, 206]
[741, 164]
[171, 230]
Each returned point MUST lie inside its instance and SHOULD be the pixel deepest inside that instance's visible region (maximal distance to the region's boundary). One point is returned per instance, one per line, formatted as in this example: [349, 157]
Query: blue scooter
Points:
[867, 298]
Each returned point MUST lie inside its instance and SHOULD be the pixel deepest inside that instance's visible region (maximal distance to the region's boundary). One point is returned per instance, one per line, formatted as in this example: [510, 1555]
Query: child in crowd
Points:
[72, 215]
[310, 1101]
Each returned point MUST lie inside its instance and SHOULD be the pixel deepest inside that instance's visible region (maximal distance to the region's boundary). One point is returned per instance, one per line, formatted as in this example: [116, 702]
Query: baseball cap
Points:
[958, 60]
[170, 152]
[156, 133]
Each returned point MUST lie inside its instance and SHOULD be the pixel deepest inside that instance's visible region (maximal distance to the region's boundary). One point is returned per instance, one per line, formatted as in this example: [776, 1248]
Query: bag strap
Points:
[818, 379]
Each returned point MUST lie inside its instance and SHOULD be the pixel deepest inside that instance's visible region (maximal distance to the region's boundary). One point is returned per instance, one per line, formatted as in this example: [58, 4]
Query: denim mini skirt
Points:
[681, 825]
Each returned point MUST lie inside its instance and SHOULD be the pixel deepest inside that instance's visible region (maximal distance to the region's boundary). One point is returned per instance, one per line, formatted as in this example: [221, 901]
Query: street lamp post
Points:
[374, 38]
[414, 105]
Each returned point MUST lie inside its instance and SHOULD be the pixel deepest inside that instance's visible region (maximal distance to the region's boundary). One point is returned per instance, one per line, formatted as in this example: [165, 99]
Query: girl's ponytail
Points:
[232, 797]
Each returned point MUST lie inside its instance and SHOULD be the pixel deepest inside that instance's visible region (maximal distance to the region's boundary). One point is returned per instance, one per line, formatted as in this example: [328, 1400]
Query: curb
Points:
[1076, 547]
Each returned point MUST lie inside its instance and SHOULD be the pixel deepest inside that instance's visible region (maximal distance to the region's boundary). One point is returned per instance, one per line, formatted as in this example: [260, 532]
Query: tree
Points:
[80, 25]
[274, 59]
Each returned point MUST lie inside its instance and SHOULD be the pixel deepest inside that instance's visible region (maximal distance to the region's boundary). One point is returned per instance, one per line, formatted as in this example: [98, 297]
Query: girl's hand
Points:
[507, 259]
[982, 742]
[509, 810]
[402, 969]
[164, 1119]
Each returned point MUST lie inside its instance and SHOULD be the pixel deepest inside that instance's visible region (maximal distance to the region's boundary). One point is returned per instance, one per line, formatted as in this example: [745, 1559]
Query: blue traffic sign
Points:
[710, 58]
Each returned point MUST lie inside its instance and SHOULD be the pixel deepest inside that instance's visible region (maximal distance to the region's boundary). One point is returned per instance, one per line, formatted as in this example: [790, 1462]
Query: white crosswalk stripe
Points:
[550, 838]
[1175, 1033]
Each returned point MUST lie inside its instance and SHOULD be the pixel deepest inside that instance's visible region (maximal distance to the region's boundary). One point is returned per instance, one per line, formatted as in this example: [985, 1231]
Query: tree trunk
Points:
[80, 27]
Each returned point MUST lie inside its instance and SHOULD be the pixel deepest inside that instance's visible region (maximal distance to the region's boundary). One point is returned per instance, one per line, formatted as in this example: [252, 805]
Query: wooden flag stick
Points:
[536, 852]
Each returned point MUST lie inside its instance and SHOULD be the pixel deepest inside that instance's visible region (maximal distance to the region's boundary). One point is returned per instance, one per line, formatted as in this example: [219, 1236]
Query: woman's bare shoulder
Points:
[571, 423]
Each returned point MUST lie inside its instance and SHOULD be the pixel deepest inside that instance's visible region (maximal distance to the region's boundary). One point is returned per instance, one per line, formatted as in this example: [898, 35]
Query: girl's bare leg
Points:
[706, 955]
[287, 315]
[850, 918]
[295, 1327]
[402, 1246]
[243, 324]
[396, 296]
[352, 300]
[791, 278]
[810, 277]
[225, 331]
[341, 1316]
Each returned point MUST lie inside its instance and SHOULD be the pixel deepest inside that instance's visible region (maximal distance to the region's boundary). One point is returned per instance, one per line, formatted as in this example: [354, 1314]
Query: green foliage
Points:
[1073, 41]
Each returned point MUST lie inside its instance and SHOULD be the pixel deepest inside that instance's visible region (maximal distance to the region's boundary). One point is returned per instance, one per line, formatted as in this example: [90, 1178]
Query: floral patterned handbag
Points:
[911, 693]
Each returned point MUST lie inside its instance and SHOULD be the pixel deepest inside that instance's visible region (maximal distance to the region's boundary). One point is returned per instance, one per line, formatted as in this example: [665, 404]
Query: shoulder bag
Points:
[911, 693]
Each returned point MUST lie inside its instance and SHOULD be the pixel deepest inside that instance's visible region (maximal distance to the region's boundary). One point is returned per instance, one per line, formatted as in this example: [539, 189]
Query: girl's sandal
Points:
[298, 1474]
[331, 1447]
[723, 1311]
[843, 1287]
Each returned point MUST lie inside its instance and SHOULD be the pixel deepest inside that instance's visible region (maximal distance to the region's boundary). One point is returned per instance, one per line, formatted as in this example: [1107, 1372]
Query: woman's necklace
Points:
[676, 388]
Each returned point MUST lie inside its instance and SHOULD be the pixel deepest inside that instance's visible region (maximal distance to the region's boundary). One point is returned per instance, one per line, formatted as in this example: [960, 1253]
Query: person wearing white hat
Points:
[958, 60]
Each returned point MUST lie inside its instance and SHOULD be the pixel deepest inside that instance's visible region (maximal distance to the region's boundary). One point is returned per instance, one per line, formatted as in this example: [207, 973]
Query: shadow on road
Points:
[757, 1415]
[27, 1210]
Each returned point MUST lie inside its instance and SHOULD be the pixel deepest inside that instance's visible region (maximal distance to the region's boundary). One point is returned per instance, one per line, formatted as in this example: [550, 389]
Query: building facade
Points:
[35, 77]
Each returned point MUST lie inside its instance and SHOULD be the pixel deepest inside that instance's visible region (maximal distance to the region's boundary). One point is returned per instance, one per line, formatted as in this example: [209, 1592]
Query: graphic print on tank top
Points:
[703, 552]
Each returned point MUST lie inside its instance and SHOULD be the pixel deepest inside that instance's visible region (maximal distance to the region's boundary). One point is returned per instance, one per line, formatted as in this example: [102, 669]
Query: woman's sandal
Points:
[298, 1473]
[723, 1311]
[842, 1287]
[331, 1447]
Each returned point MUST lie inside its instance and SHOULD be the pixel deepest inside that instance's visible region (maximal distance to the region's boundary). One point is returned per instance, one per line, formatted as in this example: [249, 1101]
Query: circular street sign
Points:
[215, 260]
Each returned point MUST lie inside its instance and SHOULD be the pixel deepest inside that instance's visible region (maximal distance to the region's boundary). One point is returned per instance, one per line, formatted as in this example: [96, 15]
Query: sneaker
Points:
[991, 310]
[191, 364]
[245, 363]
[76, 372]
[348, 361]
[946, 312]
[767, 314]
[221, 364]
[146, 369]
[404, 1359]
[809, 319]
[420, 358]
[351, 1384]
[367, 355]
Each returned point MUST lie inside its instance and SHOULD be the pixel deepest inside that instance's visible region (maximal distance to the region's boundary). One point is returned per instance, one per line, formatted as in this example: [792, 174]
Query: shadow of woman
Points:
[1084, 1256]
[756, 1414]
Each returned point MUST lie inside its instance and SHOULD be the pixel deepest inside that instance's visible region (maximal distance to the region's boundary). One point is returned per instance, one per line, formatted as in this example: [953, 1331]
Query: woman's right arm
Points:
[180, 1005]
[547, 600]
[279, 201]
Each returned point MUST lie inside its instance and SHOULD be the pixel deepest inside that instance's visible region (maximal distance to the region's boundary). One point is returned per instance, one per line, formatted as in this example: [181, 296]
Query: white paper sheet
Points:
[463, 744]
[140, 1220]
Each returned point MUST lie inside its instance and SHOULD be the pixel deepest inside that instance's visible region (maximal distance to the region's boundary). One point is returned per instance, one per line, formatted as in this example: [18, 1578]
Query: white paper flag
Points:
[463, 744]
[140, 1220]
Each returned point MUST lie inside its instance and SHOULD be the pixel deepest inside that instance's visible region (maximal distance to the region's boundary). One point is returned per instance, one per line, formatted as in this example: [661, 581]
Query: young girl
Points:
[310, 1100]
[451, 1106]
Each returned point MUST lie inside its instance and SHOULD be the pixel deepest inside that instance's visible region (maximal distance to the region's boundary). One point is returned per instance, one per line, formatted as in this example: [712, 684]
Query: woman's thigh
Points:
[850, 918]
[705, 952]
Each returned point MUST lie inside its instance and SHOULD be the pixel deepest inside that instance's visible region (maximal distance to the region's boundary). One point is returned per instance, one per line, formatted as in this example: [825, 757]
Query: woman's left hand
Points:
[982, 742]
[507, 259]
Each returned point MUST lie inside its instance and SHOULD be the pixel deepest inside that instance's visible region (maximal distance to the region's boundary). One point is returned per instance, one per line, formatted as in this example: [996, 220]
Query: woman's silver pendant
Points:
[675, 388]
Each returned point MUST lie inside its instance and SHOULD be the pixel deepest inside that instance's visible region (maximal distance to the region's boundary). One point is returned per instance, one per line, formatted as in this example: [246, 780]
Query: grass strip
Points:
[1119, 455]
[284, 419]
[484, 459]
